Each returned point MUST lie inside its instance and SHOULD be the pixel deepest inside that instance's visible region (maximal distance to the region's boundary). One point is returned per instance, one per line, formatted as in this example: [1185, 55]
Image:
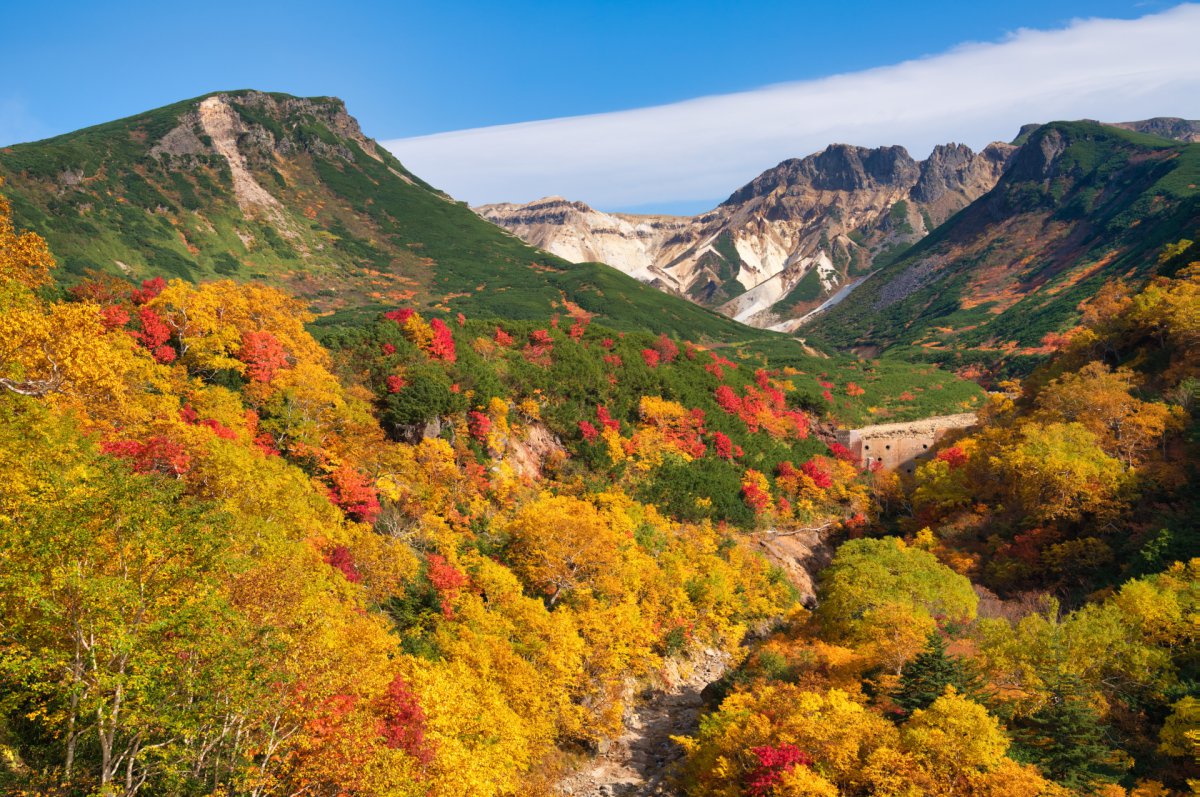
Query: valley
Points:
[878, 479]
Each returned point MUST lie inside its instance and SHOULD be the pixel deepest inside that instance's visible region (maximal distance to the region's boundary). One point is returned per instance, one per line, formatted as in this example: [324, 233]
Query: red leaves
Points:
[442, 345]
[718, 365]
[613, 360]
[723, 445]
[608, 421]
[666, 348]
[479, 424]
[728, 400]
[154, 335]
[540, 347]
[773, 763]
[650, 357]
[156, 454]
[842, 453]
[607, 343]
[388, 349]
[818, 472]
[402, 725]
[150, 289]
[266, 444]
[762, 379]
[354, 494]
[754, 492]
[502, 338]
[853, 390]
[263, 355]
[399, 316]
[763, 408]
[589, 432]
[578, 329]
[114, 316]
[447, 580]
[341, 559]
[954, 456]
[396, 383]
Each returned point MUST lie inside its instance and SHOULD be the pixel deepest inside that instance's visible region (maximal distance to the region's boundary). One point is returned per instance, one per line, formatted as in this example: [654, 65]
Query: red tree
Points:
[442, 345]
[154, 455]
[479, 424]
[402, 724]
[723, 445]
[154, 335]
[447, 580]
[353, 493]
[589, 432]
[341, 559]
[263, 355]
[149, 290]
[773, 762]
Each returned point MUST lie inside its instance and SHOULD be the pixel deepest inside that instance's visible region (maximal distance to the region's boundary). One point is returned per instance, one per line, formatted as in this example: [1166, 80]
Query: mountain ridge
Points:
[824, 217]
[289, 190]
[798, 236]
[1082, 204]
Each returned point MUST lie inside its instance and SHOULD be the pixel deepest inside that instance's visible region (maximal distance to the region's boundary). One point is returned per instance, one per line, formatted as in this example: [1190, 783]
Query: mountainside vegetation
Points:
[430, 557]
[376, 500]
[1079, 205]
[1075, 501]
[287, 191]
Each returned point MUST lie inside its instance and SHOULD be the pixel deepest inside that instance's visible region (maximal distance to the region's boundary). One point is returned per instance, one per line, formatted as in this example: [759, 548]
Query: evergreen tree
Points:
[925, 678]
[1066, 738]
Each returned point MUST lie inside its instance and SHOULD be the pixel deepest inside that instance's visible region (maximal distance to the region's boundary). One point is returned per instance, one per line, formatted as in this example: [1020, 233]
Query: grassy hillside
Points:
[1080, 205]
[353, 230]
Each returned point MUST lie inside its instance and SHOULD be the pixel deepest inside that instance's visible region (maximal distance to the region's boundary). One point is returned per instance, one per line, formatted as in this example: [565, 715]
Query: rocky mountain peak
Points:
[956, 170]
[268, 124]
[838, 167]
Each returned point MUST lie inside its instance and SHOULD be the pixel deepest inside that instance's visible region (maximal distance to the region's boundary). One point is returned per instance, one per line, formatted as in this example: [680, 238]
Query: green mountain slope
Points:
[1081, 204]
[287, 190]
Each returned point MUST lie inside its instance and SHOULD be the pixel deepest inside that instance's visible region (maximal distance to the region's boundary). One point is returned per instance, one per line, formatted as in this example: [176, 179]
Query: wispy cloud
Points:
[1113, 70]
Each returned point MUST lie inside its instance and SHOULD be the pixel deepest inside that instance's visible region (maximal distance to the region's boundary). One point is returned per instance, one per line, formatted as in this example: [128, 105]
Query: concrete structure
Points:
[901, 446]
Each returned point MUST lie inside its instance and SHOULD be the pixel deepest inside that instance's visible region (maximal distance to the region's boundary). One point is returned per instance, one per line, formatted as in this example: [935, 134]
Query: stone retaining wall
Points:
[901, 446]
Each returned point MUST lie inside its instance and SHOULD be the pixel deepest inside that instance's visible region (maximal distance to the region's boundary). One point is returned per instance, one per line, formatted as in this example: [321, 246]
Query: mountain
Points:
[289, 191]
[1080, 204]
[1187, 130]
[781, 244]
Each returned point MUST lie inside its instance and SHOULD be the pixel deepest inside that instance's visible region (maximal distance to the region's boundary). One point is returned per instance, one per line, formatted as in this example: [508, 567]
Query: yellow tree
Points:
[562, 544]
[24, 257]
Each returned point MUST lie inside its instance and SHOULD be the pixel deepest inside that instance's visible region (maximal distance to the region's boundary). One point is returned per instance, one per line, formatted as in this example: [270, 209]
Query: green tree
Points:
[924, 679]
[887, 597]
[1066, 737]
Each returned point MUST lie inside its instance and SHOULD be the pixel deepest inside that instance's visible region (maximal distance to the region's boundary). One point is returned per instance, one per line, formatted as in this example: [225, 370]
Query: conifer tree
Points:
[925, 678]
[1066, 737]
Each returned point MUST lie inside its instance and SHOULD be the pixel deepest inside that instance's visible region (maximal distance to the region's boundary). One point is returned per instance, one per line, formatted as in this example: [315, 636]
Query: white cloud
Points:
[1114, 70]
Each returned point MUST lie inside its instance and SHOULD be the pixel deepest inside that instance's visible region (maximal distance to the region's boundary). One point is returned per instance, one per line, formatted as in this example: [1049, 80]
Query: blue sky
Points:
[414, 69]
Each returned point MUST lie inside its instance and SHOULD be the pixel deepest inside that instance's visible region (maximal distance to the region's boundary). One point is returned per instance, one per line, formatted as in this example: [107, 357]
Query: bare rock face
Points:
[1186, 130]
[574, 231]
[782, 244]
